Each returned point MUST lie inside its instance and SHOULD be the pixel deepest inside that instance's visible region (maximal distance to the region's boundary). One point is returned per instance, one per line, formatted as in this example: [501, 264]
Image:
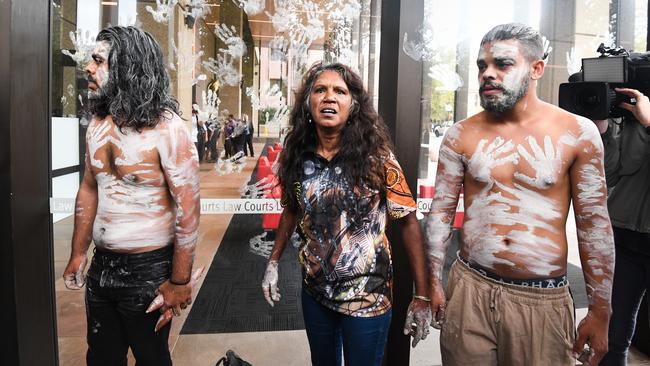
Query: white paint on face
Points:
[97, 68]
[510, 72]
[513, 78]
[485, 159]
[503, 50]
[545, 163]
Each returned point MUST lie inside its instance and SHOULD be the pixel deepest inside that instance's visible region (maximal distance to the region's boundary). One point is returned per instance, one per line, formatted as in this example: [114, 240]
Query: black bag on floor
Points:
[231, 359]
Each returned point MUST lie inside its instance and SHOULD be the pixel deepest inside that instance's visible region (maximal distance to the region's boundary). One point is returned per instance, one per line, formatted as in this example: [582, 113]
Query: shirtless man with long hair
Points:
[138, 202]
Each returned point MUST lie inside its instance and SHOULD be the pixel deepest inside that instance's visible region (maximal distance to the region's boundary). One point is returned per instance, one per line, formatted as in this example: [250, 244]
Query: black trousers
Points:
[212, 146]
[200, 145]
[248, 145]
[631, 281]
[120, 287]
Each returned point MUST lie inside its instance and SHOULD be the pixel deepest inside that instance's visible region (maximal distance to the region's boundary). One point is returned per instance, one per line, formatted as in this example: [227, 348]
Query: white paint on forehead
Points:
[102, 49]
[504, 50]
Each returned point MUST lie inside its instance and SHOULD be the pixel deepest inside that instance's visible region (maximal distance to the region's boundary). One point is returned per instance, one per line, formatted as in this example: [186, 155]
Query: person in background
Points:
[239, 136]
[214, 129]
[341, 187]
[201, 134]
[627, 167]
[228, 134]
[248, 139]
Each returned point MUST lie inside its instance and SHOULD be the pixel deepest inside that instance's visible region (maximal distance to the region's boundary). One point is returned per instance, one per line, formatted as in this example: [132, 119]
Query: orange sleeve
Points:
[399, 200]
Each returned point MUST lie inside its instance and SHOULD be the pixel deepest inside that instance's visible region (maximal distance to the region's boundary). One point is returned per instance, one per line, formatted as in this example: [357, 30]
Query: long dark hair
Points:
[364, 144]
[137, 92]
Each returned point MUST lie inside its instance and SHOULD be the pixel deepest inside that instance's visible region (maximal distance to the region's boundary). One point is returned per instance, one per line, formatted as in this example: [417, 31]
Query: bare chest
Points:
[539, 162]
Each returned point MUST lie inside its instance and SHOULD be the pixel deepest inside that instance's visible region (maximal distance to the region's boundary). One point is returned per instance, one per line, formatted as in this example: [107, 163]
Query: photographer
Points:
[627, 167]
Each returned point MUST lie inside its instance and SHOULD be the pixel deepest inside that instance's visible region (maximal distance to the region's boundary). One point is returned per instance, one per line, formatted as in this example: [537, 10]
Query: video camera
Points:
[590, 92]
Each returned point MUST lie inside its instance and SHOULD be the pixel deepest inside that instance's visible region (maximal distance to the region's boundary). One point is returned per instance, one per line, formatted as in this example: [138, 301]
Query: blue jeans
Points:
[361, 339]
[631, 281]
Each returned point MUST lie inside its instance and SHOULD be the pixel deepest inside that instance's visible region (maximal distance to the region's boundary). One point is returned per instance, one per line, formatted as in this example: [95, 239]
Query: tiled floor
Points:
[286, 348]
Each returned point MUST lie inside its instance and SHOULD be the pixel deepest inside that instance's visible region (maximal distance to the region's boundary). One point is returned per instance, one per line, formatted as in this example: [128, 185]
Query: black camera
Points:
[590, 92]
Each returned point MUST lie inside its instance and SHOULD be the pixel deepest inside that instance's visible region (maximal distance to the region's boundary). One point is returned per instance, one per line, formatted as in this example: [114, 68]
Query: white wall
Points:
[65, 153]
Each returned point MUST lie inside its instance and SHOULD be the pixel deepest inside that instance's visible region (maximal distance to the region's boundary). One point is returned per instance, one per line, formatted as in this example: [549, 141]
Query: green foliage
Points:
[265, 113]
[439, 101]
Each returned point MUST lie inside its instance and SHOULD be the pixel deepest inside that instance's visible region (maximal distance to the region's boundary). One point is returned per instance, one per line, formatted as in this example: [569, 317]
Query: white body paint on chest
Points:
[501, 205]
[136, 210]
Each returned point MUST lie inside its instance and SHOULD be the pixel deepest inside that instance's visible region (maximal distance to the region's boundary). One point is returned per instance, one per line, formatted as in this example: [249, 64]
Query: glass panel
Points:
[232, 61]
[448, 45]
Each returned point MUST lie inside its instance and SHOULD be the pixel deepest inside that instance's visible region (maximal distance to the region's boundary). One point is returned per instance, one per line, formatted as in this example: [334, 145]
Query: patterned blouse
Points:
[345, 255]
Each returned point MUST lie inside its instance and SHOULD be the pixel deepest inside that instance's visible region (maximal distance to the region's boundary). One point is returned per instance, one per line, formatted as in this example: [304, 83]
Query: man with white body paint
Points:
[522, 162]
[138, 202]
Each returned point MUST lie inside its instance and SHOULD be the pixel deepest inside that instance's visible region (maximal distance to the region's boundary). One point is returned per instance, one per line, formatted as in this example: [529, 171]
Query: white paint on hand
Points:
[485, 159]
[546, 163]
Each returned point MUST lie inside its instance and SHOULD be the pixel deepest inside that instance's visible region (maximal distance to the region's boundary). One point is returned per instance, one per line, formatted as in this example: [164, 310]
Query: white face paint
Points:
[509, 73]
[513, 79]
[97, 68]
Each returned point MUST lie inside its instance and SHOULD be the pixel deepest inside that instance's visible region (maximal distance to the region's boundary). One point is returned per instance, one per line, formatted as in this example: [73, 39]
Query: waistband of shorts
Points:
[552, 285]
[133, 258]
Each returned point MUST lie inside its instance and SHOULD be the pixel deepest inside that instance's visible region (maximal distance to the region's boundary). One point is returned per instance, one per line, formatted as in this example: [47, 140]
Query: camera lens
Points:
[588, 99]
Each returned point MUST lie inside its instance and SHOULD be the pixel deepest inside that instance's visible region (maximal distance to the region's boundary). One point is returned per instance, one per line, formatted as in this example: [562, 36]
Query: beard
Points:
[99, 101]
[507, 99]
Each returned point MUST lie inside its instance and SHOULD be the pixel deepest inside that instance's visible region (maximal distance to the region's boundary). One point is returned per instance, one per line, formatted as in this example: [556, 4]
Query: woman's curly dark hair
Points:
[137, 92]
[364, 144]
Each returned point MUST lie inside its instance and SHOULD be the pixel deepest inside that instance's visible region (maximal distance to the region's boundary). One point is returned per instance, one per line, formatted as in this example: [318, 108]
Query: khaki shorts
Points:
[491, 323]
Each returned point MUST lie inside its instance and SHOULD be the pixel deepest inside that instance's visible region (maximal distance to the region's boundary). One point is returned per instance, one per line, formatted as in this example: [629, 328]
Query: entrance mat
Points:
[231, 300]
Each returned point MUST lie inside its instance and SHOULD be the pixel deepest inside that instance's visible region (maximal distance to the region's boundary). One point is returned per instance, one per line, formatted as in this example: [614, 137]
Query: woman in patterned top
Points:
[340, 185]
